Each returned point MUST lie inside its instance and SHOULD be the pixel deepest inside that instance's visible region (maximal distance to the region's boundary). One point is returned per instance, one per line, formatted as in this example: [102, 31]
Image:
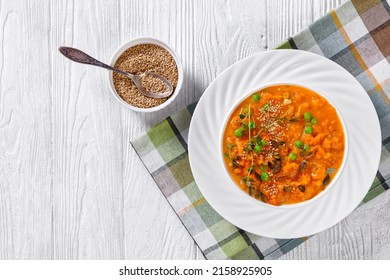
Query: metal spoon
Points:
[81, 57]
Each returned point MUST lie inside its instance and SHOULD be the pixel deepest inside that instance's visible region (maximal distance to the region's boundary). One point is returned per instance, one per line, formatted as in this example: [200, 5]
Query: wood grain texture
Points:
[286, 18]
[25, 132]
[87, 169]
[71, 186]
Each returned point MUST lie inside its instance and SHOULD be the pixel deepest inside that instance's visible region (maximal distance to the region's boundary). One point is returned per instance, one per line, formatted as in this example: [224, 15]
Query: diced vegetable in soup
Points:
[283, 144]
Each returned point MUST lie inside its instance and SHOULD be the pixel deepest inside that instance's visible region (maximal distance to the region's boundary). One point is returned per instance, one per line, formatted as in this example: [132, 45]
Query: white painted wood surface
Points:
[71, 186]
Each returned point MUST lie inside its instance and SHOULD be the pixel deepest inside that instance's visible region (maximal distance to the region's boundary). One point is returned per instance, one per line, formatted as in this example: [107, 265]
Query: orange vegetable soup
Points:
[283, 144]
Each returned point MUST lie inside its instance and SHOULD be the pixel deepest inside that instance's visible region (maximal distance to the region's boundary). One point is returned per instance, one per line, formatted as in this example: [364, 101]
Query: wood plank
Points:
[25, 131]
[226, 31]
[286, 18]
[87, 148]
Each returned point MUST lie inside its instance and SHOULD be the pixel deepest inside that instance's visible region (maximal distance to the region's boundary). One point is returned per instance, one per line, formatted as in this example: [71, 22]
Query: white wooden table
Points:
[71, 186]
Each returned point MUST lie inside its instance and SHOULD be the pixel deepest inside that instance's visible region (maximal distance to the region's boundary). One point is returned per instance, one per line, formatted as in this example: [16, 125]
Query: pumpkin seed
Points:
[277, 168]
[258, 176]
[303, 166]
[271, 164]
[260, 195]
[274, 143]
[326, 180]
[277, 161]
[263, 197]
[235, 164]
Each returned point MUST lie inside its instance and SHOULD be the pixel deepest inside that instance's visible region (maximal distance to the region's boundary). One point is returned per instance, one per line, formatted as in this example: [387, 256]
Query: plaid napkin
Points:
[357, 36]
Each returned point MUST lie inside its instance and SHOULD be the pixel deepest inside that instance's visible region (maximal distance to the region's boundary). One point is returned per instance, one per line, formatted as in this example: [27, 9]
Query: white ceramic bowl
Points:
[285, 67]
[140, 41]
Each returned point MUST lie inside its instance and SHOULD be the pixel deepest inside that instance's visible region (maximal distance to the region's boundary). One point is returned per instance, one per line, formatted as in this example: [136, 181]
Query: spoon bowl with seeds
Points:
[146, 82]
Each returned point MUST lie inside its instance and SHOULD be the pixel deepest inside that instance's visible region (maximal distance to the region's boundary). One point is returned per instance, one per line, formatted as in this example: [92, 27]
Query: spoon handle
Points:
[81, 57]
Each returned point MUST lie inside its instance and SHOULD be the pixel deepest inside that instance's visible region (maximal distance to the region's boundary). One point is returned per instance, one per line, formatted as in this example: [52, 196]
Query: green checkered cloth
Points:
[357, 36]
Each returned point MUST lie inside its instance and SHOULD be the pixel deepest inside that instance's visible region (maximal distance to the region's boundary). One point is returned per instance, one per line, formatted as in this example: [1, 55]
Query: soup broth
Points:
[283, 144]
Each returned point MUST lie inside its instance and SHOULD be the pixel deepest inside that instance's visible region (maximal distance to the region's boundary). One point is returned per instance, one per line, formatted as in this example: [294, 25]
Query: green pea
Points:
[299, 144]
[265, 107]
[238, 132]
[264, 176]
[263, 142]
[292, 156]
[252, 124]
[256, 97]
[314, 121]
[308, 130]
[306, 148]
[307, 116]
[258, 148]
